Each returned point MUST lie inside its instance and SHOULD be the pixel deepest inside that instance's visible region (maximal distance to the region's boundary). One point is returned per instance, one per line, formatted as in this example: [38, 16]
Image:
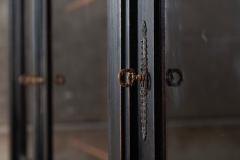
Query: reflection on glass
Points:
[79, 43]
[203, 41]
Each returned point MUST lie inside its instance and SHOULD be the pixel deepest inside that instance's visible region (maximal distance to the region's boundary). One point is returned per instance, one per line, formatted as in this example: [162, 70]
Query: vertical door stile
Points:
[123, 99]
[47, 72]
[131, 56]
[37, 53]
[133, 63]
[151, 112]
[42, 115]
[159, 80]
[17, 92]
[127, 93]
[116, 43]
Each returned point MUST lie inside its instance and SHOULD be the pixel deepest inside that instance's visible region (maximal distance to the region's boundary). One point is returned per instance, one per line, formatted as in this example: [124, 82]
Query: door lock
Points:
[127, 77]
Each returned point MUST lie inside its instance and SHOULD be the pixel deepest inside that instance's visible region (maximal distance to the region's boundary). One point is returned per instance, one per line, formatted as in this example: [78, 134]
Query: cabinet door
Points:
[202, 44]
[58, 57]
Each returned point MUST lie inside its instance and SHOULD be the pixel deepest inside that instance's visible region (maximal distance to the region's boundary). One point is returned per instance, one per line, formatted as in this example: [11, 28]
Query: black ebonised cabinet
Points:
[173, 79]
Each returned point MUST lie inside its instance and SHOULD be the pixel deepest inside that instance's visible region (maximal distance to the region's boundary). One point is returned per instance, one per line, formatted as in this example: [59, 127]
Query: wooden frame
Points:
[115, 29]
[42, 121]
[17, 92]
[42, 58]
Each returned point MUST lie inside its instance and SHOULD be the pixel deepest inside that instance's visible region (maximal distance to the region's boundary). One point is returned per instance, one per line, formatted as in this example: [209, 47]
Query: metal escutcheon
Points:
[127, 77]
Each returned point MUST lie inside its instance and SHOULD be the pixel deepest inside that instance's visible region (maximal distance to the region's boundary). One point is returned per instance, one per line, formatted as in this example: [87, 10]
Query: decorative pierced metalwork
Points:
[127, 78]
[144, 85]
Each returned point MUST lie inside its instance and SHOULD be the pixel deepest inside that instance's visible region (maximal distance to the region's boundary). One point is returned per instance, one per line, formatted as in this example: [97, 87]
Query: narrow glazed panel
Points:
[203, 43]
[79, 54]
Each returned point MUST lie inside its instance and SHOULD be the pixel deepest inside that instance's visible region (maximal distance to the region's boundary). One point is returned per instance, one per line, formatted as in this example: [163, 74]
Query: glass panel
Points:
[4, 112]
[203, 113]
[80, 111]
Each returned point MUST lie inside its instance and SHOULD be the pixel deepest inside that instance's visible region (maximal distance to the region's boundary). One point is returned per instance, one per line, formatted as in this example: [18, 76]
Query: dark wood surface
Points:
[114, 90]
[16, 68]
[125, 22]
[153, 147]
[42, 66]
[129, 60]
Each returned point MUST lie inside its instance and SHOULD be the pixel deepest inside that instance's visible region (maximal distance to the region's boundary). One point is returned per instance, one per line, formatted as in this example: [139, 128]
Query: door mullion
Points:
[151, 115]
[38, 135]
[17, 91]
[47, 72]
[116, 43]
[43, 93]
[131, 97]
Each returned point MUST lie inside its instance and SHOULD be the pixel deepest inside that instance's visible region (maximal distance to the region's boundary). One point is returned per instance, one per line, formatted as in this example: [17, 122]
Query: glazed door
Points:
[187, 105]
[58, 79]
[202, 44]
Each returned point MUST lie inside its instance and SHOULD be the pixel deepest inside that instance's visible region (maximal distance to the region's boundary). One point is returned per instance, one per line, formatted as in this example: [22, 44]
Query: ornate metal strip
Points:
[144, 84]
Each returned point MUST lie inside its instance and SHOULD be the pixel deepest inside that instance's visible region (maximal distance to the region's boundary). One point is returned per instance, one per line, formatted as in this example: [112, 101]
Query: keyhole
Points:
[174, 77]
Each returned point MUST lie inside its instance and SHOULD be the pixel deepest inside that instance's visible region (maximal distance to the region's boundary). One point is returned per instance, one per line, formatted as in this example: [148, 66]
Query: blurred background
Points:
[79, 53]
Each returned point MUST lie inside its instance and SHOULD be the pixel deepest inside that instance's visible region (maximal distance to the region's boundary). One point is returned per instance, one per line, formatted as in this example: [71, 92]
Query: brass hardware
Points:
[30, 80]
[59, 80]
[144, 85]
[127, 77]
